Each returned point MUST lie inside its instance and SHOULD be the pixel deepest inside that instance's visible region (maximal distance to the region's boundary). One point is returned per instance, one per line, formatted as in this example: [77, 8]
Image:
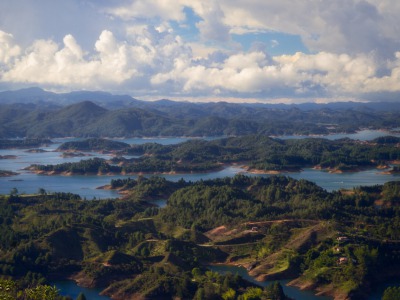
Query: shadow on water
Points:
[70, 288]
[290, 291]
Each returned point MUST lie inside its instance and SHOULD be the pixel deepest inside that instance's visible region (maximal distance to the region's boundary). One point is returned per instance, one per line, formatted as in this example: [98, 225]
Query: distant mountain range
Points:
[44, 98]
[34, 112]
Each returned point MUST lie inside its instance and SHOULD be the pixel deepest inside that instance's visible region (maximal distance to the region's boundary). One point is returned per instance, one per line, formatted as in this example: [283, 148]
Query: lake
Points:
[70, 288]
[86, 186]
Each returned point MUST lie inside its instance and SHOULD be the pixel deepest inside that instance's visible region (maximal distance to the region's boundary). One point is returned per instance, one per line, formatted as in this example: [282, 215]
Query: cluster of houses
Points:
[343, 260]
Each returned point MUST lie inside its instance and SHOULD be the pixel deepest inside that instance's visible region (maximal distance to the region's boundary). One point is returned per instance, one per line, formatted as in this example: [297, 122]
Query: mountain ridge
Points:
[95, 114]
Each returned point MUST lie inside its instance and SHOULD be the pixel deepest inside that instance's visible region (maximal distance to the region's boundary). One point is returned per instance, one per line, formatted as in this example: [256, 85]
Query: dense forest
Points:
[48, 115]
[23, 143]
[339, 242]
[255, 152]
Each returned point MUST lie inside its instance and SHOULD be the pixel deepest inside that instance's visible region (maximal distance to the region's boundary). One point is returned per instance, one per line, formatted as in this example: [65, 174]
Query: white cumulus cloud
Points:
[46, 62]
[194, 48]
[8, 47]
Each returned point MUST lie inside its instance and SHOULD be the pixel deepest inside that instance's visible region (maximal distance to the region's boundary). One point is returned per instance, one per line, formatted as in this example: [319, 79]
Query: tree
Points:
[42, 191]
[230, 294]
[8, 289]
[252, 293]
[275, 291]
[41, 292]
[391, 293]
[81, 296]
[14, 191]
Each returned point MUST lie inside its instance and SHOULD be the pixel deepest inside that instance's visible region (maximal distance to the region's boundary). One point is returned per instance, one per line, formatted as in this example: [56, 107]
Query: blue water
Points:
[86, 186]
[162, 140]
[160, 202]
[377, 292]
[70, 288]
[362, 135]
[290, 291]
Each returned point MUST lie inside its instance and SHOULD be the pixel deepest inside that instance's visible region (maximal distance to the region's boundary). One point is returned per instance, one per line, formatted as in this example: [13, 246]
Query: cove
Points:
[70, 288]
[290, 291]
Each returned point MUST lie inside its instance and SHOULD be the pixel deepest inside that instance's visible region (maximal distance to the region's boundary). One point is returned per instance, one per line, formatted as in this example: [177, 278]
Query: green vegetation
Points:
[24, 143]
[391, 293]
[257, 152]
[167, 118]
[10, 290]
[93, 145]
[277, 227]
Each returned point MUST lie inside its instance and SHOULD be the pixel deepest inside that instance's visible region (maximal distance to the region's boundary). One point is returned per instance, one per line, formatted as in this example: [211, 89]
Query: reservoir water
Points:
[86, 186]
[290, 291]
[70, 288]
[362, 135]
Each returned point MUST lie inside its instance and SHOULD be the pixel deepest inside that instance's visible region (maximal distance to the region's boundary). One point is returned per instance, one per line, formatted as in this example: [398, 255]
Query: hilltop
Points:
[37, 113]
[277, 227]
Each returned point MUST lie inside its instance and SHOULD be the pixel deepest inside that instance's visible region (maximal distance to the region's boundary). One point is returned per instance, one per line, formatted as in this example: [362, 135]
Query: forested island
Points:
[4, 173]
[338, 243]
[256, 153]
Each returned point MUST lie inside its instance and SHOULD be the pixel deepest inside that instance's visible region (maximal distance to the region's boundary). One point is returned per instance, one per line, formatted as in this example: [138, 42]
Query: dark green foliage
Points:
[274, 292]
[89, 166]
[94, 144]
[81, 296]
[11, 290]
[387, 140]
[131, 248]
[25, 143]
[207, 204]
[257, 151]
[86, 119]
[391, 192]
[391, 293]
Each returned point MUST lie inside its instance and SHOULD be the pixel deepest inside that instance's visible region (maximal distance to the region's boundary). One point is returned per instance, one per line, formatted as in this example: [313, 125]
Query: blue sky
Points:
[205, 50]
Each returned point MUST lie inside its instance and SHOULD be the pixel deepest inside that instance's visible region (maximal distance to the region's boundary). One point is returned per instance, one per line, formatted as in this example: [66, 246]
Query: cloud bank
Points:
[354, 50]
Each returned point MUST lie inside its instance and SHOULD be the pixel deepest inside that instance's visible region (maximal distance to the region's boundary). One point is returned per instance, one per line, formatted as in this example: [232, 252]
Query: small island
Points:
[8, 156]
[93, 144]
[36, 151]
[4, 173]
[256, 153]
[73, 154]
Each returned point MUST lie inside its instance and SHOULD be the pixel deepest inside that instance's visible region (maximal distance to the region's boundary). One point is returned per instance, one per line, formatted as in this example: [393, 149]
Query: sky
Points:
[275, 51]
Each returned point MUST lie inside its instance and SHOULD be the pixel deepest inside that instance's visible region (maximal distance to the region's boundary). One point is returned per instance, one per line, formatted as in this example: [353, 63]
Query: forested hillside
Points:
[340, 242]
[90, 114]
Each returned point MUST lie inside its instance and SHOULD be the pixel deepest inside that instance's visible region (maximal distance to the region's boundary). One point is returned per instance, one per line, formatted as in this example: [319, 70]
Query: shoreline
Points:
[387, 131]
[5, 173]
[67, 173]
[245, 169]
[327, 291]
